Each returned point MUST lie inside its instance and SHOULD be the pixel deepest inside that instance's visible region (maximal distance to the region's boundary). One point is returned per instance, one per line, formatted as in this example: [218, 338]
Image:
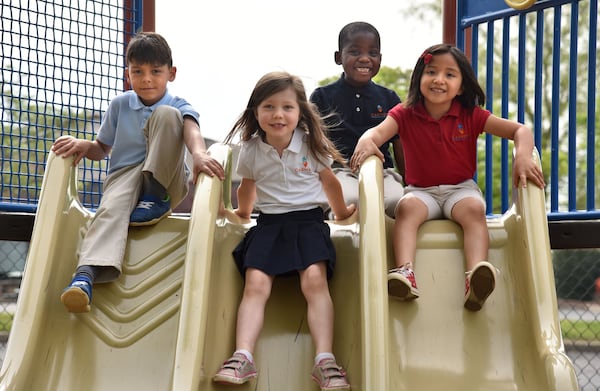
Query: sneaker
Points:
[402, 284]
[329, 375]
[479, 284]
[78, 295]
[150, 210]
[237, 370]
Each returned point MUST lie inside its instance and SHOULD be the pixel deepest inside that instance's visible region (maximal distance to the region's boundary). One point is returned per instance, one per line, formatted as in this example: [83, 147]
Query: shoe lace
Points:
[80, 283]
[405, 270]
[145, 205]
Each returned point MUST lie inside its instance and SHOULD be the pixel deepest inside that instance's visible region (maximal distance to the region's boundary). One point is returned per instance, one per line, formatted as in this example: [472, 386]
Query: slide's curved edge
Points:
[530, 205]
[196, 308]
[372, 272]
[58, 194]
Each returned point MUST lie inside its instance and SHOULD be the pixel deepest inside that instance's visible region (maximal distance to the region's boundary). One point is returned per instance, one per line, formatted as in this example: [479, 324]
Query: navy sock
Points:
[152, 186]
[88, 271]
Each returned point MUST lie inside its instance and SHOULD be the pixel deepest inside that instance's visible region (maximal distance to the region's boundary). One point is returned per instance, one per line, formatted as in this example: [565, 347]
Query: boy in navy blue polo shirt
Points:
[357, 104]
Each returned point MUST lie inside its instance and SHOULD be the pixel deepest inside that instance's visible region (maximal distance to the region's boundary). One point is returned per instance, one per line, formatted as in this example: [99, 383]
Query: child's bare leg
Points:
[470, 214]
[251, 311]
[481, 275]
[313, 282]
[240, 367]
[410, 214]
[326, 372]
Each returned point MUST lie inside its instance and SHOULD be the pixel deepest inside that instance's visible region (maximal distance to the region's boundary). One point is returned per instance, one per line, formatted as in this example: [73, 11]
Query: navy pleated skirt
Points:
[283, 243]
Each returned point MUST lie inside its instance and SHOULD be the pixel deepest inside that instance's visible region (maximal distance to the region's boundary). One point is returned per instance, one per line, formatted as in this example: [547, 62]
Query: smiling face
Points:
[360, 57]
[278, 115]
[441, 82]
[150, 81]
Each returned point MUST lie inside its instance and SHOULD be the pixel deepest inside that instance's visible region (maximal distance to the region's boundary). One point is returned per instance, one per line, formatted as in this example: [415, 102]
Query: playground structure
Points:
[133, 316]
[169, 320]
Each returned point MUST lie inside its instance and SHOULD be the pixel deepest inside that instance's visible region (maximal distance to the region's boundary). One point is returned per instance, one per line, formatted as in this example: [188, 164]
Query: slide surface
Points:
[169, 321]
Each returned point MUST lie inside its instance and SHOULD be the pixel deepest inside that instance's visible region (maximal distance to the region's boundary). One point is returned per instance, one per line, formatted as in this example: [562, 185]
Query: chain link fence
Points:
[12, 264]
[577, 274]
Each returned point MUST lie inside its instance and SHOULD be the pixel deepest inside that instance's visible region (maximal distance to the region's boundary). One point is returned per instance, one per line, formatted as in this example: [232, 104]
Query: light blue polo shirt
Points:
[123, 126]
[285, 184]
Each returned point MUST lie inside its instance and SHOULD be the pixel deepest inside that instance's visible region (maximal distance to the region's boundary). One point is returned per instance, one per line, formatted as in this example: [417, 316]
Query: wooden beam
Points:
[16, 226]
[568, 234]
[572, 234]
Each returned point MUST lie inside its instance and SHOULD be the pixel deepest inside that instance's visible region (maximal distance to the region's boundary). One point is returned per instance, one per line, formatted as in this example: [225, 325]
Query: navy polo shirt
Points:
[355, 110]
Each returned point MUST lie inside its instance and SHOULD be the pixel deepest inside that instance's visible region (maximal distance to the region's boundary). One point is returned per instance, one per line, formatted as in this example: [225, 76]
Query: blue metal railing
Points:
[548, 102]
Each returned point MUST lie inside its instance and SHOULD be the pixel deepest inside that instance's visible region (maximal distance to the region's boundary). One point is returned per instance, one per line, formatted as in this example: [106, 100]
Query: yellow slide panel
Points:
[513, 343]
[169, 321]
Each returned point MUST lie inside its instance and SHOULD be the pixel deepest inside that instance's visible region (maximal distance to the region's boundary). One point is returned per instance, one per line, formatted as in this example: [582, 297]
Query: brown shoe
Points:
[479, 284]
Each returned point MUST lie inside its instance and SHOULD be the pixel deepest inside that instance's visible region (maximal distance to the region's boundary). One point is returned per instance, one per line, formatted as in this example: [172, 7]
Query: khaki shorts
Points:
[392, 187]
[441, 199]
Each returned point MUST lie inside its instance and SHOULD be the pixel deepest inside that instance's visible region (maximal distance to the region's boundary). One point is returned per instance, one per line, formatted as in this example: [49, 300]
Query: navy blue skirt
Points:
[287, 242]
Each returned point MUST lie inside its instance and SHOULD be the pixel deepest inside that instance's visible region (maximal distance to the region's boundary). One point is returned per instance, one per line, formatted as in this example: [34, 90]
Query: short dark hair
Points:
[148, 48]
[472, 94]
[350, 29]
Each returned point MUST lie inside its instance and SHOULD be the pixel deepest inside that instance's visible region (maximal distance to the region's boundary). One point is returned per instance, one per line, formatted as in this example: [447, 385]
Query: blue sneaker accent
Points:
[150, 210]
[78, 295]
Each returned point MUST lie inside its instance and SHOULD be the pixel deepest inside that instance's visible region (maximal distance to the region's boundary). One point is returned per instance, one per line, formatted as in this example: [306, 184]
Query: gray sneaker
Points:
[330, 376]
[237, 370]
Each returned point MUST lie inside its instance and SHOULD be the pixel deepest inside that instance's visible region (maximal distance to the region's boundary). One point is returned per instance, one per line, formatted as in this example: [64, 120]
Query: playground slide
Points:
[169, 321]
[513, 343]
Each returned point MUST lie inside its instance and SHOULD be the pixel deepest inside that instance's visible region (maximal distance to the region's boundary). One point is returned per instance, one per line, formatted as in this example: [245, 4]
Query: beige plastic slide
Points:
[513, 343]
[169, 321]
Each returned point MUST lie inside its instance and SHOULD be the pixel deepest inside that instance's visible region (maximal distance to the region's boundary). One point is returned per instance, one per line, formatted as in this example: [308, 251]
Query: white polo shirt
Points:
[285, 184]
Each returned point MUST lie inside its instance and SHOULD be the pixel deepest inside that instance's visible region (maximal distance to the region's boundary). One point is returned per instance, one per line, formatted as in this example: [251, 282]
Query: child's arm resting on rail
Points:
[195, 143]
[67, 146]
[371, 140]
[333, 190]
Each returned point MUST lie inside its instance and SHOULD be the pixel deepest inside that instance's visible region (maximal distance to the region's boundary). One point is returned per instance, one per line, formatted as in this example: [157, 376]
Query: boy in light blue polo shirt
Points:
[147, 130]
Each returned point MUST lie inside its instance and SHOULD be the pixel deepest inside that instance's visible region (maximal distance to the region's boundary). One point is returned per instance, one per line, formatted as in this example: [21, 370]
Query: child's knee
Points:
[166, 111]
[166, 117]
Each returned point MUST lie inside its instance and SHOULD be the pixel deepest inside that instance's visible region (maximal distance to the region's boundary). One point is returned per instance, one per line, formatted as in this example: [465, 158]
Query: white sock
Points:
[245, 353]
[322, 356]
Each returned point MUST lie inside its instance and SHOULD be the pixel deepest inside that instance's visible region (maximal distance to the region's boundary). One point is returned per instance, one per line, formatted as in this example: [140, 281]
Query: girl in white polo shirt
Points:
[284, 162]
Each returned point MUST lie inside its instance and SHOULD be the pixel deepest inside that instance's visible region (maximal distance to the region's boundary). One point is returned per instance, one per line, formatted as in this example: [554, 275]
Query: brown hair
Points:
[149, 48]
[310, 121]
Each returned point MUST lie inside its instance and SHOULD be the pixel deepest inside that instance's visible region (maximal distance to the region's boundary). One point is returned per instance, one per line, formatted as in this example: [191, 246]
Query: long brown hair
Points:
[310, 121]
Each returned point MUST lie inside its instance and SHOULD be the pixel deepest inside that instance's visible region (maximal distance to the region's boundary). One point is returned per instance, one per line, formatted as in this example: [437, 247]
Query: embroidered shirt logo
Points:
[460, 134]
[379, 112]
[304, 167]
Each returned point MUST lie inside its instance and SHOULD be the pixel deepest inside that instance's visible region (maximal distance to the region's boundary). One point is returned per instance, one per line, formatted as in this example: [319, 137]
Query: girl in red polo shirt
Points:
[439, 124]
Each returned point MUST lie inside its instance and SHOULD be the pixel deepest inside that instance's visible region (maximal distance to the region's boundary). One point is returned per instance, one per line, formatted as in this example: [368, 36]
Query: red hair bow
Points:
[426, 57]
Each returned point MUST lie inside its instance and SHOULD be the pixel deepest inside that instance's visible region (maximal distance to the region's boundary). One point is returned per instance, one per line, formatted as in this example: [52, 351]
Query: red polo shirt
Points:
[439, 152]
